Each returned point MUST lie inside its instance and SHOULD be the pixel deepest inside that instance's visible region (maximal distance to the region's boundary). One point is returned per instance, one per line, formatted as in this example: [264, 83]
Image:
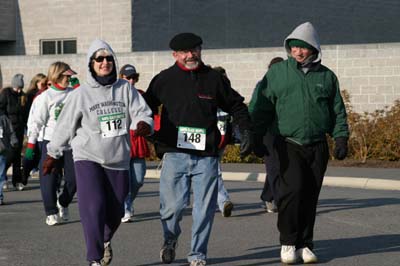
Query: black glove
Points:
[260, 150]
[246, 143]
[142, 129]
[340, 148]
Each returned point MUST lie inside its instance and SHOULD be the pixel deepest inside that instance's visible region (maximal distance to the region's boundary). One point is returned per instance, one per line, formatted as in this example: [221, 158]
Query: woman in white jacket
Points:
[42, 120]
[96, 120]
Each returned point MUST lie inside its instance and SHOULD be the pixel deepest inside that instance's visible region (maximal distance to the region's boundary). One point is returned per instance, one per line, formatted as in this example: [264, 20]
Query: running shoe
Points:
[63, 212]
[307, 255]
[108, 254]
[288, 254]
[228, 207]
[52, 219]
[127, 217]
[167, 252]
[198, 263]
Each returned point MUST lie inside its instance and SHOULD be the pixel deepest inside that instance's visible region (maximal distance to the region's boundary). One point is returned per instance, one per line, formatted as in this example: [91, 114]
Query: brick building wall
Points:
[370, 72]
[81, 20]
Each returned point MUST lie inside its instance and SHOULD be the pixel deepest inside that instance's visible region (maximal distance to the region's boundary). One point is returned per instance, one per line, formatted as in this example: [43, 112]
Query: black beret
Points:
[185, 41]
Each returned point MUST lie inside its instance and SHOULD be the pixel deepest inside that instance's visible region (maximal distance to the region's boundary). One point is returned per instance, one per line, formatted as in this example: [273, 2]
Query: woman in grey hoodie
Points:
[96, 120]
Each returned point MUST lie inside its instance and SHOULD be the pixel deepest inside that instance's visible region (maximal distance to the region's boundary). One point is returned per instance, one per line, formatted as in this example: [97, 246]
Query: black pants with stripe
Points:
[302, 170]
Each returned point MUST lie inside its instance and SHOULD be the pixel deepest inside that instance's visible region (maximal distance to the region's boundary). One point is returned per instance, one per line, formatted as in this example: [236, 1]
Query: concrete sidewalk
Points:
[353, 177]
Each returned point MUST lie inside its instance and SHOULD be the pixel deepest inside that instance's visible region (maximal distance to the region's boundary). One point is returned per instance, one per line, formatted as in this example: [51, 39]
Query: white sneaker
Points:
[63, 212]
[20, 186]
[127, 217]
[288, 254]
[198, 263]
[5, 186]
[307, 255]
[271, 207]
[108, 254]
[52, 219]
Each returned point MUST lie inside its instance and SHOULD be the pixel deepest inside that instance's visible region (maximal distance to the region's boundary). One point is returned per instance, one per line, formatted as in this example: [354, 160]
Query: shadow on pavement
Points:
[331, 205]
[328, 250]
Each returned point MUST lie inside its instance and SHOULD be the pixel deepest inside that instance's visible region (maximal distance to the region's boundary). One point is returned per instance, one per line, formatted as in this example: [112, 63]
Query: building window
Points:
[62, 46]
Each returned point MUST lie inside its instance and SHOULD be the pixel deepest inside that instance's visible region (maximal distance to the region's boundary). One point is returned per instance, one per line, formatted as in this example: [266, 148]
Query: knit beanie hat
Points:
[18, 81]
[299, 43]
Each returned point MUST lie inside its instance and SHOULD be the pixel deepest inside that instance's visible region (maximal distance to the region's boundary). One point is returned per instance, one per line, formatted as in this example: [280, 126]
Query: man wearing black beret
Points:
[190, 93]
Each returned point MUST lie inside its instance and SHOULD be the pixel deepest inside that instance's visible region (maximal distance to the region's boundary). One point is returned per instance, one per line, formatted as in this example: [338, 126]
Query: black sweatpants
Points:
[302, 170]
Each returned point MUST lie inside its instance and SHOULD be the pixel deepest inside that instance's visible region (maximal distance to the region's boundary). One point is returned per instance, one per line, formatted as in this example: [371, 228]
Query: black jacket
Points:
[10, 105]
[191, 99]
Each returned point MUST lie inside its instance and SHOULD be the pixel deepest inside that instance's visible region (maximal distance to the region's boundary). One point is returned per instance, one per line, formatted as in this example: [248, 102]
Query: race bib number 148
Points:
[191, 138]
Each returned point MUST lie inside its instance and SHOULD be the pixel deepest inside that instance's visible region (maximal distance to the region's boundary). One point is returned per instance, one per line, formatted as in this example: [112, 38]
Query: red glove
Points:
[142, 129]
[49, 165]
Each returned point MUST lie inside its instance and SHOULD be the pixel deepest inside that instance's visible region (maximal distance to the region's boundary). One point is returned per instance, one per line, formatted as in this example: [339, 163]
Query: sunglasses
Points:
[134, 76]
[100, 59]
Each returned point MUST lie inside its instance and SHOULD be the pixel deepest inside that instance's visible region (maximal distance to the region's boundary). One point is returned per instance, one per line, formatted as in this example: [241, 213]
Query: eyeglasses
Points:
[101, 58]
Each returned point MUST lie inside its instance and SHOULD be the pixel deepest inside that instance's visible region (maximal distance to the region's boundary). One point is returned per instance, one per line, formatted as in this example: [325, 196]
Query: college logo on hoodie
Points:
[108, 107]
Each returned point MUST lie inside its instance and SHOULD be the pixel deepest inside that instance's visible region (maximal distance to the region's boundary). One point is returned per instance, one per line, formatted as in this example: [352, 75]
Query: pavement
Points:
[351, 177]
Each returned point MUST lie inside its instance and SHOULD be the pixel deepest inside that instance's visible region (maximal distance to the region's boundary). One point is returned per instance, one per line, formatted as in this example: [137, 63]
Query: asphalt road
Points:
[354, 227]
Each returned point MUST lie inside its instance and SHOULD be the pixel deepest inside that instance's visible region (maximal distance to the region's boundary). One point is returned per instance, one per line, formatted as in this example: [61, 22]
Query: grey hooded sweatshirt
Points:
[307, 33]
[96, 120]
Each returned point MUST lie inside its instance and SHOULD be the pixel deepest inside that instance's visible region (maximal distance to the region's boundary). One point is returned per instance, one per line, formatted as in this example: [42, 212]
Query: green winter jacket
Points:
[301, 107]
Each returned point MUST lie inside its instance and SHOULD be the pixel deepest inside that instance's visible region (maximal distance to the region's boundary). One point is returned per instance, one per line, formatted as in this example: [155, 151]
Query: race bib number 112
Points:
[113, 125]
[191, 138]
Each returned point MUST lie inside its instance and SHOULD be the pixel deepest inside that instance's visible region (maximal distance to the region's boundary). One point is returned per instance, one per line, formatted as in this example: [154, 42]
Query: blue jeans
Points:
[137, 171]
[3, 173]
[179, 173]
[223, 195]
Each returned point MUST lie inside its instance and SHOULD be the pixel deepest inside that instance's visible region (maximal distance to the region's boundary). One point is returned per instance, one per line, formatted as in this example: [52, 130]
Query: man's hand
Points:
[142, 129]
[259, 148]
[49, 165]
[246, 143]
[340, 148]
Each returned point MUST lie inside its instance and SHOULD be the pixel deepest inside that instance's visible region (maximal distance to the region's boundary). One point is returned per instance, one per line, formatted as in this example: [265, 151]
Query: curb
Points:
[333, 181]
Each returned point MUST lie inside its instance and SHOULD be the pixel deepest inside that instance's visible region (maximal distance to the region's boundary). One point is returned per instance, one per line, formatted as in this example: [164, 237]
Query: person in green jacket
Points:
[299, 101]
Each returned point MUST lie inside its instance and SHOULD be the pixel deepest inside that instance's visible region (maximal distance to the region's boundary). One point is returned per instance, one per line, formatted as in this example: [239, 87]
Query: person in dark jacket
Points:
[10, 105]
[8, 139]
[269, 193]
[299, 101]
[190, 93]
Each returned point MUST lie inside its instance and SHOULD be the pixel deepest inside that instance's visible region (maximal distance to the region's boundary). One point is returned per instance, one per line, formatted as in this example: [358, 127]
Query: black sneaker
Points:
[167, 252]
[228, 207]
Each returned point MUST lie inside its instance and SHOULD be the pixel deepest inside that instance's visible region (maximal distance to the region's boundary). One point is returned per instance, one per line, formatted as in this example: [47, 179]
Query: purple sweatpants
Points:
[101, 195]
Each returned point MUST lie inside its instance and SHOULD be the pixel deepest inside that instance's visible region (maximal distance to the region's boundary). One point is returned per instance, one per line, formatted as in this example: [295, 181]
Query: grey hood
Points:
[307, 33]
[94, 47]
